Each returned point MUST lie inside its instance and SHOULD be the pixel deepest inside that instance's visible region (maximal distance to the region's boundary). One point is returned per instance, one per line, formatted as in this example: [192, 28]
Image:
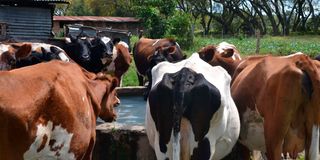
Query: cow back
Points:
[49, 110]
[273, 95]
[192, 94]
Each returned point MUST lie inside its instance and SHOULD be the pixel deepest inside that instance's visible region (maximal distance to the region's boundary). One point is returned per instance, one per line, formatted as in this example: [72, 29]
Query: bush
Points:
[154, 24]
[179, 27]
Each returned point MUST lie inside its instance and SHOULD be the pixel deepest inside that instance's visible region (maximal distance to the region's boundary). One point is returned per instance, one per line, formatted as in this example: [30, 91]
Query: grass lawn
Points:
[308, 44]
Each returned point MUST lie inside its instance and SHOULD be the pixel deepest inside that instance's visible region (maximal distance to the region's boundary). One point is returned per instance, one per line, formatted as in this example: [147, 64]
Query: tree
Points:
[78, 8]
[154, 14]
[180, 28]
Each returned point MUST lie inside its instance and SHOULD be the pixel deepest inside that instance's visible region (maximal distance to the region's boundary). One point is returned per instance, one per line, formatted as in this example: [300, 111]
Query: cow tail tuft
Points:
[177, 116]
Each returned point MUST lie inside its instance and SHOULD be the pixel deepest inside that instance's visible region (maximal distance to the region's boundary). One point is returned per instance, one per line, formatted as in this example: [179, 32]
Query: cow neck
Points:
[230, 66]
[97, 92]
[124, 53]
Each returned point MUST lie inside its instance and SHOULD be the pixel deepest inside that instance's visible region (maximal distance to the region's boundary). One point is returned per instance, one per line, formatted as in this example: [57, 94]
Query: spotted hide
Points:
[16, 55]
[190, 113]
[278, 102]
[49, 111]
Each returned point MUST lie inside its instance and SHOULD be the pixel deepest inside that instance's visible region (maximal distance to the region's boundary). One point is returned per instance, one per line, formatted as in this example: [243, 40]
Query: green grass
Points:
[247, 46]
[130, 77]
[268, 45]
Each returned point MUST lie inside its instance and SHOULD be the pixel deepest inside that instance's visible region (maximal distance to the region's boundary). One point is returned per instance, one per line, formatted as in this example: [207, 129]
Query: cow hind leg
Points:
[274, 135]
[88, 154]
[239, 152]
[203, 151]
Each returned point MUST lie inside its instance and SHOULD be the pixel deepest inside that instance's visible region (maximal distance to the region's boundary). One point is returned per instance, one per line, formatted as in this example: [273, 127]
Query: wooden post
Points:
[258, 41]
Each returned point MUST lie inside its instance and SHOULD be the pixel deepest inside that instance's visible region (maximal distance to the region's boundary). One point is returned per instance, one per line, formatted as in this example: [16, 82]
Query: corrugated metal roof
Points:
[95, 18]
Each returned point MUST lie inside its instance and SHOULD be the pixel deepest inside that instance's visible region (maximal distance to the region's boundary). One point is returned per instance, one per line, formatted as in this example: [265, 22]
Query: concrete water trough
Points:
[125, 139]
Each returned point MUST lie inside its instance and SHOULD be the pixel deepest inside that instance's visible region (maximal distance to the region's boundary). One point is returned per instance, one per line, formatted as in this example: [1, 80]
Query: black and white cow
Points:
[21, 54]
[100, 54]
[190, 112]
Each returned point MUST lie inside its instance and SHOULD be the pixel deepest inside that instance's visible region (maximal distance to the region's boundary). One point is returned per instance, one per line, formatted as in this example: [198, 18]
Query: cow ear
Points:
[207, 53]
[227, 53]
[24, 51]
[54, 49]
[114, 83]
[8, 58]
[170, 49]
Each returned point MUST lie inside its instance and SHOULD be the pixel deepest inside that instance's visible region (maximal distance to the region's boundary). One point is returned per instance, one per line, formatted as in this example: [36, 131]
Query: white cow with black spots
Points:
[190, 113]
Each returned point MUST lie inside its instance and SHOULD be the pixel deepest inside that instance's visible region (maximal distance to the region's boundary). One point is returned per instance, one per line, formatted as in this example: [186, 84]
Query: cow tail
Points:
[311, 83]
[314, 147]
[177, 116]
[176, 135]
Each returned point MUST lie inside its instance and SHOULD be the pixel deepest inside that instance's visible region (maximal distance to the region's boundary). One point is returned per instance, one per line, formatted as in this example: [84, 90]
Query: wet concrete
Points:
[122, 142]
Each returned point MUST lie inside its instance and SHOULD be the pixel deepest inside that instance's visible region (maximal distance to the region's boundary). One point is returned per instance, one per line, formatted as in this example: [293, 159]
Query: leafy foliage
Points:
[79, 8]
[180, 28]
[155, 15]
[152, 21]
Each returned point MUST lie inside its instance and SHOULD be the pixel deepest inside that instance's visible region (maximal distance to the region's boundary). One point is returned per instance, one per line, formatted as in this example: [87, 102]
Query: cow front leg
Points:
[140, 79]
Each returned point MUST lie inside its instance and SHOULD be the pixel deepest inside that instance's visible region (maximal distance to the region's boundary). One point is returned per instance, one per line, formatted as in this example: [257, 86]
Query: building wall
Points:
[26, 22]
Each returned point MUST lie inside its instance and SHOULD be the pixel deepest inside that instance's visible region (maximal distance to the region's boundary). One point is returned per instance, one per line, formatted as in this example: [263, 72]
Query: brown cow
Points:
[49, 111]
[120, 60]
[146, 47]
[277, 98]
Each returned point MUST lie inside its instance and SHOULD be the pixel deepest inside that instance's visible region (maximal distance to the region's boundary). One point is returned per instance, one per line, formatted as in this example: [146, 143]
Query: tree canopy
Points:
[228, 17]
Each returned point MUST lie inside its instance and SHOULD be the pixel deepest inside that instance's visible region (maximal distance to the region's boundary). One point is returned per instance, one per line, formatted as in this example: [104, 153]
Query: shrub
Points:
[179, 27]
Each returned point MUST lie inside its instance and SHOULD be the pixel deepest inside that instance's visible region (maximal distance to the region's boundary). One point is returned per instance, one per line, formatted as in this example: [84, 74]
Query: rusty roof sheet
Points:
[95, 18]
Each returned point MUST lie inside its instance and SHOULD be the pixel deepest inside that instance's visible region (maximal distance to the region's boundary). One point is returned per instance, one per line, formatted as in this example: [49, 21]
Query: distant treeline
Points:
[182, 18]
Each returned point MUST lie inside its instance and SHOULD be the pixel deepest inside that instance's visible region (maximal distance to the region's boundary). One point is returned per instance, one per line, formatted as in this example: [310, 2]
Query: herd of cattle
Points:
[199, 107]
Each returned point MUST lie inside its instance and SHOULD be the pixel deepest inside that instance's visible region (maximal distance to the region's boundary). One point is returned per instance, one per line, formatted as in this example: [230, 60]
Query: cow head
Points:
[215, 57]
[50, 55]
[11, 53]
[102, 47]
[122, 59]
[78, 49]
[224, 47]
[160, 55]
[171, 51]
[109, 97]
[167, 54]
